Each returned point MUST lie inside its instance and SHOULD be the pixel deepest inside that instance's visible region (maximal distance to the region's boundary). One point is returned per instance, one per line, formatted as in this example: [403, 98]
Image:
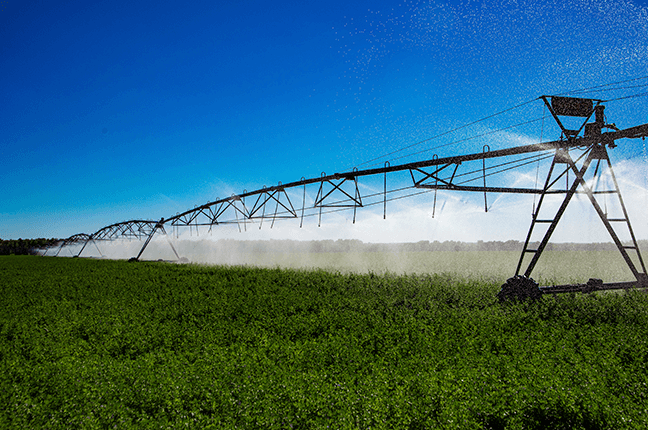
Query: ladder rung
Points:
[629, 247]
[596, 192]
[530, 250]
[544, 220]
[617, 220]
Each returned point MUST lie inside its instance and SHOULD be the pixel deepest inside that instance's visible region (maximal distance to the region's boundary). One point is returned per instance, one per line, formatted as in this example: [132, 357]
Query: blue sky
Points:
[122, 110]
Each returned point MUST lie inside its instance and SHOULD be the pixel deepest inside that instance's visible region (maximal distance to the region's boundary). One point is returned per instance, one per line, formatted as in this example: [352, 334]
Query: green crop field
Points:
[555, 267]
[110, 344]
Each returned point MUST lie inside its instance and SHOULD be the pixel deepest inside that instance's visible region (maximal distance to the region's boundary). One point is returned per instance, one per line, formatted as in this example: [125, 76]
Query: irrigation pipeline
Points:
[340, 191]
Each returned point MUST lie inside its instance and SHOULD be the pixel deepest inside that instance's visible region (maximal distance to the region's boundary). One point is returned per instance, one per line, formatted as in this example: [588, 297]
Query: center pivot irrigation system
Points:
[572, 156]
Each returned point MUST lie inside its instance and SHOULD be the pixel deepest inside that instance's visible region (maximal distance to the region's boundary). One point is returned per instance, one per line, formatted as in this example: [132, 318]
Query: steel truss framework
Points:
[76, 239]
[575, 152]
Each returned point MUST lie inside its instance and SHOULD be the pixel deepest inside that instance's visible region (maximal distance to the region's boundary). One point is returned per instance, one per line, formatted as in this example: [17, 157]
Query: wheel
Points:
[519, 288]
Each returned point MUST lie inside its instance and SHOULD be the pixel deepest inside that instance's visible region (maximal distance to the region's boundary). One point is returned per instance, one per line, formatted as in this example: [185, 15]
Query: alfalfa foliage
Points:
[99, 344]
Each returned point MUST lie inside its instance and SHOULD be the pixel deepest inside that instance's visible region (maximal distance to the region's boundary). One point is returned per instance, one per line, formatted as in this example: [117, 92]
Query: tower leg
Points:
[598, 152]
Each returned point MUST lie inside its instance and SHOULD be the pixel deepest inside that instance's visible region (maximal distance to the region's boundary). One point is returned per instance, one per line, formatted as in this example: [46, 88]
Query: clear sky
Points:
[122, 110]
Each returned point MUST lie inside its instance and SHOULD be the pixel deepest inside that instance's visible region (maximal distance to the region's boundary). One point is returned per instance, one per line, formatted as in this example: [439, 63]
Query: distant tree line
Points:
[31, 246]
[24, 246]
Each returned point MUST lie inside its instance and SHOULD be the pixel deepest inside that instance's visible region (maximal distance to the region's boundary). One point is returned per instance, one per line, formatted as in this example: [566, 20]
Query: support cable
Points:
[523, 162]
[446, 133]
[613, 89]
[467, 139]
[627, 97]
[583, 90]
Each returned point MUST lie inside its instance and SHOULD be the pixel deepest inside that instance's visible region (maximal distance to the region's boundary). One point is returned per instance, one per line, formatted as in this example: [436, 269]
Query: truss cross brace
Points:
[356, 199]
[275, 196]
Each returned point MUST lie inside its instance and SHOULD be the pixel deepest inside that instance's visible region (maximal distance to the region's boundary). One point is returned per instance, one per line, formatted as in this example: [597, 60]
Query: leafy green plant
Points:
[104, 344]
